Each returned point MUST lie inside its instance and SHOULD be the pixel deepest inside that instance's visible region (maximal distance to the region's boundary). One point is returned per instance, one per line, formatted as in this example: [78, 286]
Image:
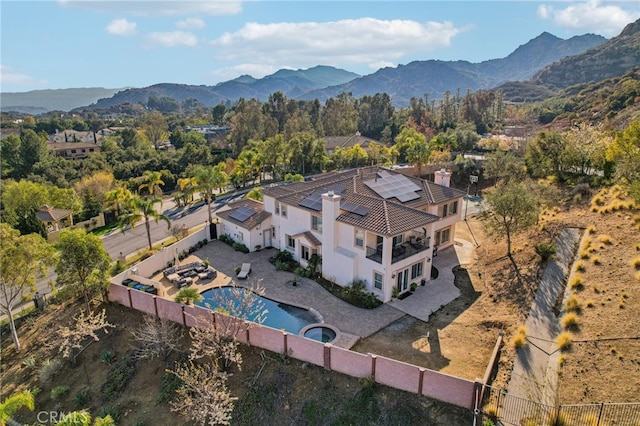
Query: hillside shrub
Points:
[545, 250]
[564, 341]
[119, 375]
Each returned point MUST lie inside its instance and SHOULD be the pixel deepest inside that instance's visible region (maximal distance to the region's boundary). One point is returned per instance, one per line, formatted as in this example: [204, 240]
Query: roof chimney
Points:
[443, 178]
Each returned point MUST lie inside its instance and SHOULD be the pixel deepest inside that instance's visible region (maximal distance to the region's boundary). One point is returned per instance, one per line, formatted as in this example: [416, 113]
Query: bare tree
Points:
[84, 326]
[204, 397]
[157, 337]
[217, 338]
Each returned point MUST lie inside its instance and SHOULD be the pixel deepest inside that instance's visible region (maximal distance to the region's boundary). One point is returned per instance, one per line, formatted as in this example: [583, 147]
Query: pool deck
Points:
[353, 323]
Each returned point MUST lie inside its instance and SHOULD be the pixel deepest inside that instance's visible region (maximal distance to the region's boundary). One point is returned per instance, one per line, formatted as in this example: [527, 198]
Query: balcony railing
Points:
[401, 251]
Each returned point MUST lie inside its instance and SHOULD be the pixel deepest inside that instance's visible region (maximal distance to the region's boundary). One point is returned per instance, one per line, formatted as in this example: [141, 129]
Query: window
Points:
[291, 242]
[359, 238]
[442, 236]
[377, 280]
[283, 210]
[444, 210]
[316, 223]
[273, 232]
[277, 207]
[454, 207]
[398, 239]
[304, 252]
[416, 270]
[240, 236]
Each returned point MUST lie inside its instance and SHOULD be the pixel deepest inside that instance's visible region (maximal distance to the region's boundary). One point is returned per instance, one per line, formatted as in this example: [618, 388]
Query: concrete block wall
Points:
[386, 371]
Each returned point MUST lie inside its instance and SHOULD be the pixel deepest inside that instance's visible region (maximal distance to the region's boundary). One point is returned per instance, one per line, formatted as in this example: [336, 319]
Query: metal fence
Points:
[506, 409]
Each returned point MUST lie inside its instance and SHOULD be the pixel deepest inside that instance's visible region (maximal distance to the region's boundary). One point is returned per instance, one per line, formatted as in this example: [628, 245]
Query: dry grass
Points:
[596, 260]
[576, 282]
[605, 239]
[635, 262]
[572, 304]
[570, 321]
[520, 338]
[579, 266]
[564, 341]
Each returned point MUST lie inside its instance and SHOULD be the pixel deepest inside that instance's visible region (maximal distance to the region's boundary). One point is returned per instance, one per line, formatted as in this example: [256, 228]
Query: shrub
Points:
[572, 304]
[520, 338]
[576, 282]
[108, 357]
[564, 341]
[570, 321]
[284, 256]
[584, 254]
[605, 239]
[596, 260]
[635, 262]
[302, 272]
[585, 243]
[58, 391]
[119, 375]
[240, 247]
[591, 229]
[579, 266]
[589, 303]
[49, 369]
[280, 266]
[29, 362]
[546, 250]
[81, 399]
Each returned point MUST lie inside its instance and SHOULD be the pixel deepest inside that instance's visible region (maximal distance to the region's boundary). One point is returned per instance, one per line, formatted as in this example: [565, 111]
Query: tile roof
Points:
[385, 217]
[51, 214]
[310, 237]
[252, 221]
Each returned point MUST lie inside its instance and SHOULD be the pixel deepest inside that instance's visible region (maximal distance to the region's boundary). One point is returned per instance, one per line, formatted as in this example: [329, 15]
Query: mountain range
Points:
[535, 70]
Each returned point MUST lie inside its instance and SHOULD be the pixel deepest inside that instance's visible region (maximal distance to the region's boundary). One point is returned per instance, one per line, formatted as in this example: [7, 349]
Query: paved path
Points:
[440, 291]
[535, 374]
[358, 322]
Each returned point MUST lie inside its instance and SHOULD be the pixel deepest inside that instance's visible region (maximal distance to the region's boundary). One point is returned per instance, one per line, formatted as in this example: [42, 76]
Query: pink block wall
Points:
[397, 374]
[267, 338]
[443, 387]
[352, 363]
[305, 349]
[170, 310]
[119, 293]
[195, 314]
[143, 302]
[232, 326]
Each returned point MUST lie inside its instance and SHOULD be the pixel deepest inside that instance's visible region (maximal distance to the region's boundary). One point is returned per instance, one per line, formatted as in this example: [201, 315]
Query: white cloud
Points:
[190, 24]
[364, 40]
[9, 76]
[173, 38]
[121, 27]
[158, 8]
[381, 64]
[590, 16]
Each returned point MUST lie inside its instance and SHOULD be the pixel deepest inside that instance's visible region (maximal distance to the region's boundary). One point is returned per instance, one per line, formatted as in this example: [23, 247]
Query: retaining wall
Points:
[390, 372]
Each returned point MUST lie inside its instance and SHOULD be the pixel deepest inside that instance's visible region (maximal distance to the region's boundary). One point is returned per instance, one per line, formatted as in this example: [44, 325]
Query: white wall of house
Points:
[249, 238]
[446, 222]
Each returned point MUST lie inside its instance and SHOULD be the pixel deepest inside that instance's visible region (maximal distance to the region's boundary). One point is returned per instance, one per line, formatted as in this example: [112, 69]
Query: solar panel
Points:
[354, 208]
[399, 186]
[313, 202]
[241, 214]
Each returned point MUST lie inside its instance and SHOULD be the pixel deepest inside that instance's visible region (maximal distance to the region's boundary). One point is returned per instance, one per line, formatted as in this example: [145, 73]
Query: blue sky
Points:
[115, 44]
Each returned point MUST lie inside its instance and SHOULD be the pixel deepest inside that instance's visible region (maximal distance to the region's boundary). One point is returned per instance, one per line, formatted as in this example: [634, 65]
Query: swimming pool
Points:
[279, 316]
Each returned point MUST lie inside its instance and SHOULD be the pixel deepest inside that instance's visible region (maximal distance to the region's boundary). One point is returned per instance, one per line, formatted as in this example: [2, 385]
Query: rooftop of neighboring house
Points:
[63, 146]
[333, 142]
[372, 198]
[246, 213]
[51, 214]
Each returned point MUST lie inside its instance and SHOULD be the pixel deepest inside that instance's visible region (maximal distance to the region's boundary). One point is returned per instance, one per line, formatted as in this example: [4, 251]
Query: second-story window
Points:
[283, 210]
[277, 209]
[454, 207]
[445, 210]
[316, 223]
[359, 238]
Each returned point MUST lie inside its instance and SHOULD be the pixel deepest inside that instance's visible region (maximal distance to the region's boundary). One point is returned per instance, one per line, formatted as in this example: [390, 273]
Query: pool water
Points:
[321, 334]
[280, 316]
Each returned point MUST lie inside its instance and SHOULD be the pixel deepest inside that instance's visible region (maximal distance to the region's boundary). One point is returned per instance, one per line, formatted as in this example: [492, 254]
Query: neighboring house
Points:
[55, 219]
[73, 136]
[73, 150]
[369, 224]
[333, 142]
[246, 222]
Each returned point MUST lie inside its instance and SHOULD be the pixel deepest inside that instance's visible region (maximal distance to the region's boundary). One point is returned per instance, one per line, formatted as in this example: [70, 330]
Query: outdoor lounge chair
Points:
[244, 271]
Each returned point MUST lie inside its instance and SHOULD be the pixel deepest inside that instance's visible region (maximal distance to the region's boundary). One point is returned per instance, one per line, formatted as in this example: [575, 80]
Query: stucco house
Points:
[246, 222]
[370, 224]
[331, 143]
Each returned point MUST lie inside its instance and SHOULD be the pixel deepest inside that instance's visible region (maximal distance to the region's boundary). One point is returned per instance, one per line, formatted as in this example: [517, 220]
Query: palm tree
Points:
[221, 175]
[152, 182]
[188, 296]
[11, 404]
[188, 186]
[116, 197]
[206, 180]
[138, 209]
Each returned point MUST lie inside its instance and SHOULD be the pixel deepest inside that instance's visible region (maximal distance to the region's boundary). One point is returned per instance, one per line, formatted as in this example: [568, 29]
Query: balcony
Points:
[408, 249]
[401, 251]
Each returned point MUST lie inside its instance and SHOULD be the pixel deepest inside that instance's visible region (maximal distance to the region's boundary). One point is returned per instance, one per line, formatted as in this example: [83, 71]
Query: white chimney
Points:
[443, 178]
